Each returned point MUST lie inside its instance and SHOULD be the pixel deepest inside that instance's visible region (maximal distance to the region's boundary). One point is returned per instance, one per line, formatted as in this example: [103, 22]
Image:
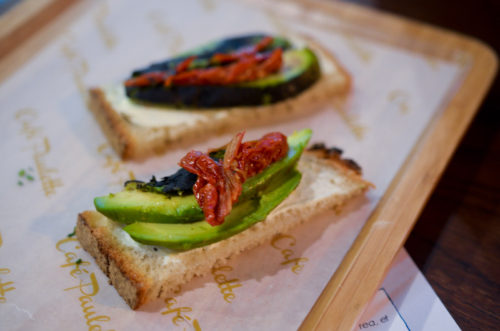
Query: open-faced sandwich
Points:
[154, 236]
[232, 83]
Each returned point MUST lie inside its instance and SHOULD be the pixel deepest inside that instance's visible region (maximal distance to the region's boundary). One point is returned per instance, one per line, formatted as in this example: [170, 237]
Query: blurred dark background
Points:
[456, 241]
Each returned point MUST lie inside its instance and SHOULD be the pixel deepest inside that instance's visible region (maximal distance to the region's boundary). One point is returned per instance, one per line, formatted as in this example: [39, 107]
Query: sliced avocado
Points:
[133, 205]
[243, 215]
[299, 71]
[296, 62]
[297, 142]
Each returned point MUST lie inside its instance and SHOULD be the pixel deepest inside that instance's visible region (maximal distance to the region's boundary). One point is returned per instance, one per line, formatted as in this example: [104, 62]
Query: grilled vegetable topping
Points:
[241, 71]
[219, 184]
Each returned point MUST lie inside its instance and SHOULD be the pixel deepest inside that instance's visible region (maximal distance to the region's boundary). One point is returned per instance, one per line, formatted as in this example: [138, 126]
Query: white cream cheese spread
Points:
[150, 115]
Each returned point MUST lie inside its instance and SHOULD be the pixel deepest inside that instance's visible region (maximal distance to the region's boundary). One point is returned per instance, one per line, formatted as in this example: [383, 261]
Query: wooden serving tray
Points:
[368, 259]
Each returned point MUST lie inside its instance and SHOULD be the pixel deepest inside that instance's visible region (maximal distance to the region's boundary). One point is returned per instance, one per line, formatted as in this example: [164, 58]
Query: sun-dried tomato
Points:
[245, 65]
[254, 156]
[220, 58]
[147, 79]
[184, 65]
[219, 184]
[209, 184]
[262, 45]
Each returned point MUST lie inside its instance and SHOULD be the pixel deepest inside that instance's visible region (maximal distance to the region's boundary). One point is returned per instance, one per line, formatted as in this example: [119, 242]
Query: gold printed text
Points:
[105, 33]
[351, 121]
[180, 315]
[40, 147]
[284, 244]
[208, 5]
[78, 65]
[225, 285]
[364, 54]
[171, 37]
[399, 99]
[278, 23]
[87, 286]
[5, 286]
[114, 164]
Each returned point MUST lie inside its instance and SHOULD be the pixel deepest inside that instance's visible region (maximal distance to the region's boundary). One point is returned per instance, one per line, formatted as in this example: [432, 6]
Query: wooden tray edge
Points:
[359, 275]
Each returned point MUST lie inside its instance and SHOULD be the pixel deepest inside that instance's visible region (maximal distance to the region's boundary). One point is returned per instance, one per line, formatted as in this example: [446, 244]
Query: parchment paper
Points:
[55, 160]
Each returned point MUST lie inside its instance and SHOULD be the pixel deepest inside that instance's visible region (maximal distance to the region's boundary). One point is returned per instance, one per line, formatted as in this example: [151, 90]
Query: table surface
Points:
[456, 241]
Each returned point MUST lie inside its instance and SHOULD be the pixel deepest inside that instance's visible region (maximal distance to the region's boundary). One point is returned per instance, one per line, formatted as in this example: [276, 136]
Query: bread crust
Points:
[116, 129]
[132, 141]
[142, 273]
[131, 284]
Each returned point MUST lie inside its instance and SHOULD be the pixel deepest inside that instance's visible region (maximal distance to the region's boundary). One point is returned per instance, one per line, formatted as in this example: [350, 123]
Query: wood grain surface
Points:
[364, 266]
[456, 241]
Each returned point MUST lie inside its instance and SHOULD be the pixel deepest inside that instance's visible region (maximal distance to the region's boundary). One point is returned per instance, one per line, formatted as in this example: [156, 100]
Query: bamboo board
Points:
[366, 263]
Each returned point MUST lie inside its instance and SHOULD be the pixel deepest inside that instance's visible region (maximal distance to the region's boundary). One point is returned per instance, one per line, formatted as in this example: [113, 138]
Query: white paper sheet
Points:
[48, 132]
[405, 301]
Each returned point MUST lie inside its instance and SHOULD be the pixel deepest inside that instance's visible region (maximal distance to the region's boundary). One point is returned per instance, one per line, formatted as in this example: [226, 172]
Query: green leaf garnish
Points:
[72, 233]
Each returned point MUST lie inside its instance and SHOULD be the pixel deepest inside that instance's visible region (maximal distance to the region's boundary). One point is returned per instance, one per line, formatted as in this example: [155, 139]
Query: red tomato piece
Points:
[184, 65]
[244, 65]
[220, 184]
[147, 79]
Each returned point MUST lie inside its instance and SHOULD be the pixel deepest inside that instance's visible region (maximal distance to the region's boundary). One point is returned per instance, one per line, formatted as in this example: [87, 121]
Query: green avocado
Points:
[243, 215]
[132, 205]
[297, 63]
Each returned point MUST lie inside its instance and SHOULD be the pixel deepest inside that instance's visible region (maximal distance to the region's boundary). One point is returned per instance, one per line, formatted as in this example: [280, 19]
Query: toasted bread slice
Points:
[141, 273]
[137, 131]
